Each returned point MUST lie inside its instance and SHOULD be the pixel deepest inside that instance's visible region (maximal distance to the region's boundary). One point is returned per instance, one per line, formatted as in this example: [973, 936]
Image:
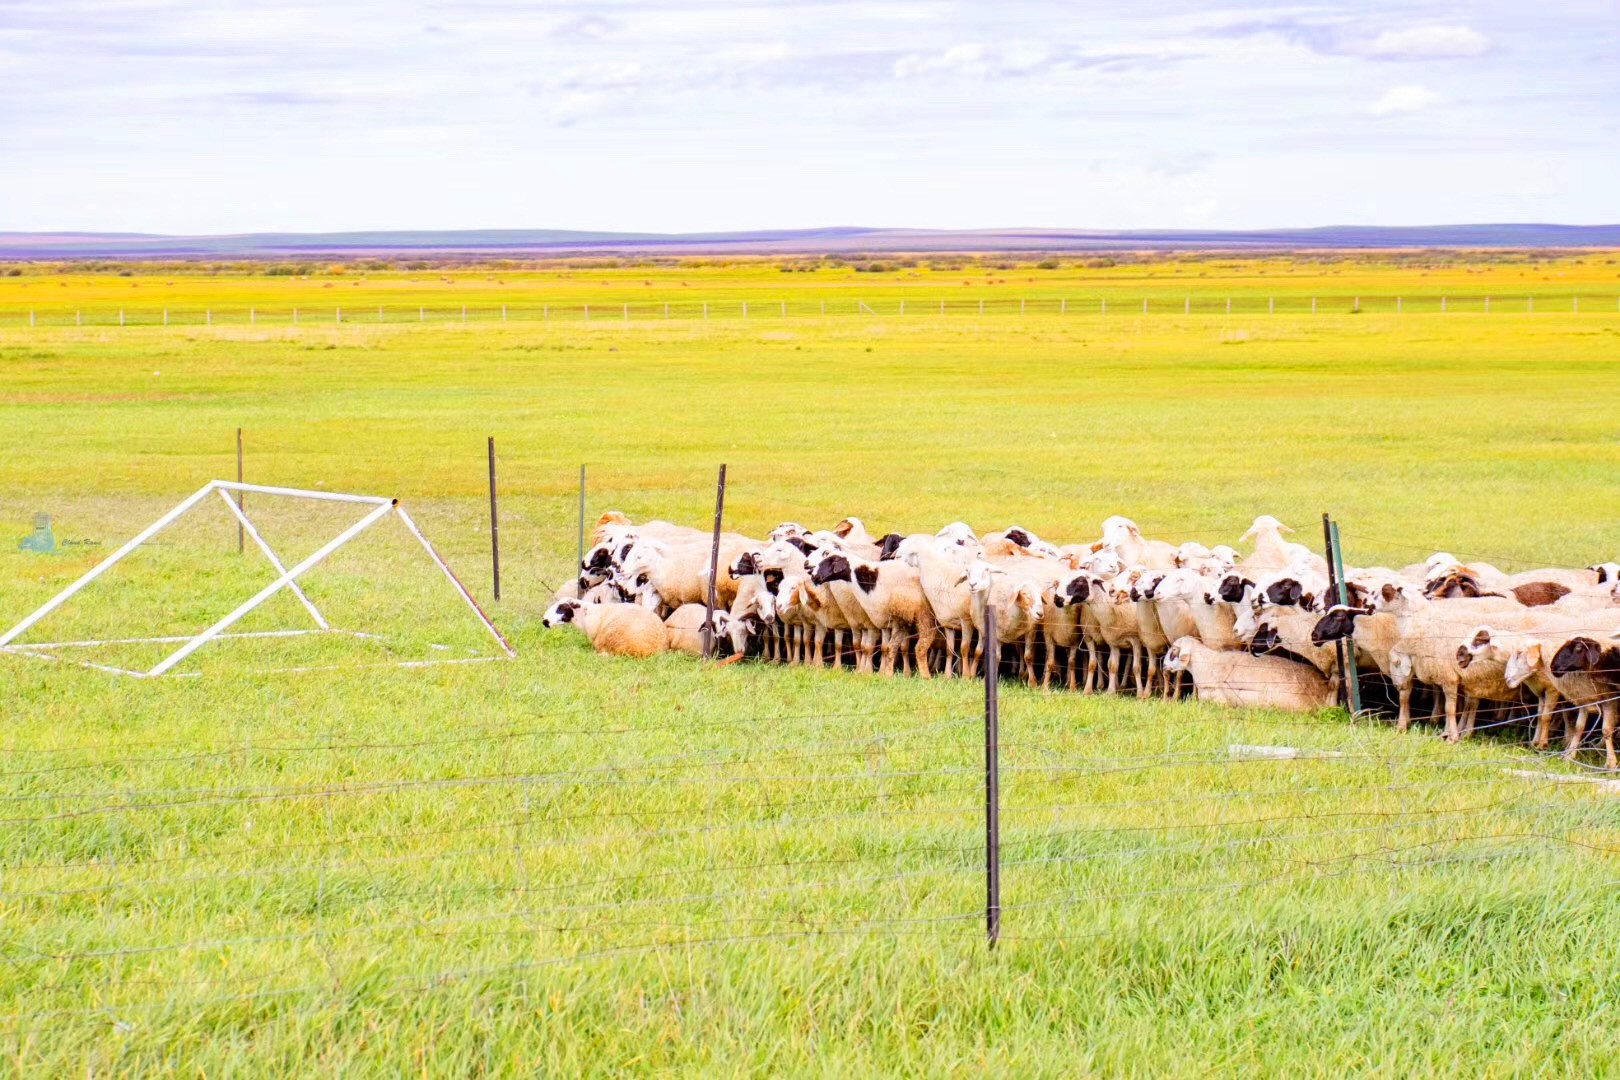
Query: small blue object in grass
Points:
[41, 540]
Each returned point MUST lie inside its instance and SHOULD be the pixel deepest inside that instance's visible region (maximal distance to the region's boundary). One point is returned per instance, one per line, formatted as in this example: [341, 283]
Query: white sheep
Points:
[1018, 607]
[1272, 552]
[614, 629]
[1121, 535]
[941, 567]
[1237, 678]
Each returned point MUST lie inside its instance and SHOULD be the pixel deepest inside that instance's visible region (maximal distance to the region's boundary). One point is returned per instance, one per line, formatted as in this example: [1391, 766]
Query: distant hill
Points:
[531, 242]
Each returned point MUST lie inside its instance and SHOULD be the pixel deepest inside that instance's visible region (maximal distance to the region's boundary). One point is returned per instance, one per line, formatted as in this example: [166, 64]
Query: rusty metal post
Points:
[494, 523]
[714, 566]
[992, 780]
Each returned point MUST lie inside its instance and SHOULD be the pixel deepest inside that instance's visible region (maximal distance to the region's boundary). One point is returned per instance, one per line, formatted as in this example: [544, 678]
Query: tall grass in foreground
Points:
[587, 865]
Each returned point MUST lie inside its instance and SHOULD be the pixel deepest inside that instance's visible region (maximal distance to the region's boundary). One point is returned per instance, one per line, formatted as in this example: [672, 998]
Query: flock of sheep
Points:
[1260, 628]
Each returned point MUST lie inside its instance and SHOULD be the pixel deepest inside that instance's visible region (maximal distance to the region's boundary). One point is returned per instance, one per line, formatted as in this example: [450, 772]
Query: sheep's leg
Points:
[1470, 715]
[925, 656]
[972, 651]
[1091, 669]
[1113, 669]
[1073, 665]
[890, 651]
[1574, 730]
[1609, 714]
[1451, 714]
[1544, 715]
[950, 651]
[1403, 720]
[1029, 658]
[1146, 689]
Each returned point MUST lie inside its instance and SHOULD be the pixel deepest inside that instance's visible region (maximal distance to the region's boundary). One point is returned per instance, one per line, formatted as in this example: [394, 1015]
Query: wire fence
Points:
[766, 309]
[150, 882]
[133, 904]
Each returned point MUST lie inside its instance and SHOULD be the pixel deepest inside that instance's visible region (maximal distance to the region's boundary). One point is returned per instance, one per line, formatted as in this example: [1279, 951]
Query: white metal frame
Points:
[381, 507]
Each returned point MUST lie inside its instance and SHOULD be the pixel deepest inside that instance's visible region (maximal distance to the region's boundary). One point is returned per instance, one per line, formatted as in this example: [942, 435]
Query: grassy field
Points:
[585, 866]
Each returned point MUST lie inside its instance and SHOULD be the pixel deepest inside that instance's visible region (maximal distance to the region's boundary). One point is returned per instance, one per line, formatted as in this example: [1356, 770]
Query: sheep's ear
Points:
[962, 580]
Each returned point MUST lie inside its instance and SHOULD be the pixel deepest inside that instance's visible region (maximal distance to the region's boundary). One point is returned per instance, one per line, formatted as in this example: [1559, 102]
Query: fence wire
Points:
[892, 853]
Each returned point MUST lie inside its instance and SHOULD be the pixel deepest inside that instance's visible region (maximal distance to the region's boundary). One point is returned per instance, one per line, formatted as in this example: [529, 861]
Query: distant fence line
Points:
[841, 307]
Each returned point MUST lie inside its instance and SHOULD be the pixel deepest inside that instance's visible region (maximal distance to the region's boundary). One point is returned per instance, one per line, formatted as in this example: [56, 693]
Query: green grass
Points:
[580, 865]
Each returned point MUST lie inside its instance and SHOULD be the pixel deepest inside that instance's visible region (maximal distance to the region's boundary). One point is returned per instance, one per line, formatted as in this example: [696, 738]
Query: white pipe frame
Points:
[247, 526]
[106, 564]
[286, 579]
[270, 590]
[460, 588]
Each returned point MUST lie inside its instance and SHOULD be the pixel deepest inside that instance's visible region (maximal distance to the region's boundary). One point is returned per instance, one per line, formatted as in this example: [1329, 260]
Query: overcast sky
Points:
[204, 116]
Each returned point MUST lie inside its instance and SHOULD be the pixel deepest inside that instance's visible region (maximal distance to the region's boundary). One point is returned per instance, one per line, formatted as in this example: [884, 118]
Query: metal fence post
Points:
[494, 524]
[1333, 586]
[992, 781]
[714, 566]
[1349, 673]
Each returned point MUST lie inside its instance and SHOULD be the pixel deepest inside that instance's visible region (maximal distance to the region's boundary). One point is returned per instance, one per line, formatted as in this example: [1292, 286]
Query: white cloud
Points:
[977, 60]
[1400, 100]
[1423, 42]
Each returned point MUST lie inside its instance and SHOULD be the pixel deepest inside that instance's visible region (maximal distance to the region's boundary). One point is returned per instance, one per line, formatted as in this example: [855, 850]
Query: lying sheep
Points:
[1237, 678]
[684, 628]
[614, 629]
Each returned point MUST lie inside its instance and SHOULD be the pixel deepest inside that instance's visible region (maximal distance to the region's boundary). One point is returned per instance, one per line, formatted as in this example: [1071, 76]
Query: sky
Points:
[203, 116]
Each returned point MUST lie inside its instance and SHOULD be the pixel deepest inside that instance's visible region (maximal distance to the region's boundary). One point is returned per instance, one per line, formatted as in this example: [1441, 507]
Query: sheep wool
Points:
[614, 629]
